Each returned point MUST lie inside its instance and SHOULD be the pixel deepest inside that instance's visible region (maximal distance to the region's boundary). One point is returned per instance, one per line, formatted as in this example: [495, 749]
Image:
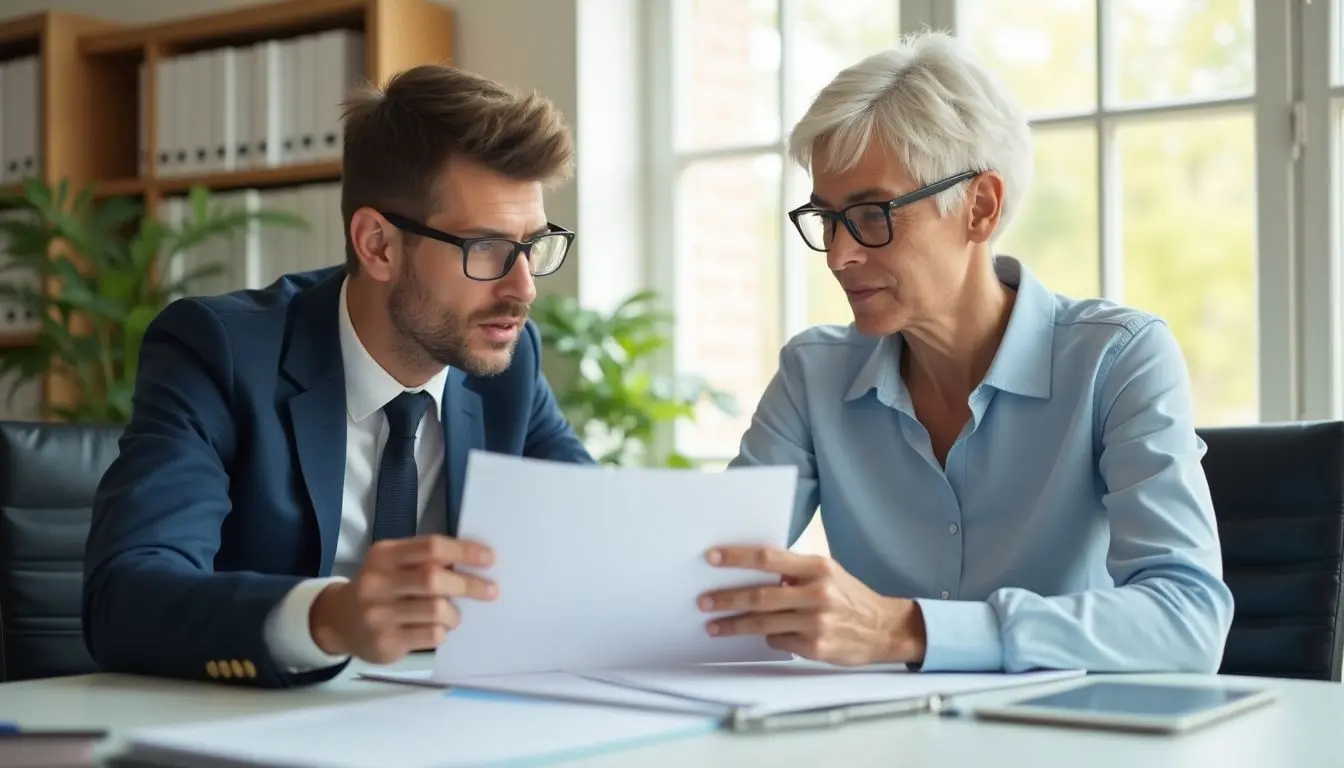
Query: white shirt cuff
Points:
[287, 632]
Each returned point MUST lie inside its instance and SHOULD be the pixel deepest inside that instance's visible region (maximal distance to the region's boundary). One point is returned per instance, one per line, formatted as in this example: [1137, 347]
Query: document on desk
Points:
[419, 730]
[600, 567]
[751, 693]
[772, 688]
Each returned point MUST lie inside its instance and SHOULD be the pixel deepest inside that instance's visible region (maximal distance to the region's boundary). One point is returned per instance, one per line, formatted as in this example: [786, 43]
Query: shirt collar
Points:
[1021, 365]
[368, 387]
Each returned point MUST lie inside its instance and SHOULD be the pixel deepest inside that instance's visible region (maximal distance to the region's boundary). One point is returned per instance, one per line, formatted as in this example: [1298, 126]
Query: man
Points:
[1009, 478]
[287, 445]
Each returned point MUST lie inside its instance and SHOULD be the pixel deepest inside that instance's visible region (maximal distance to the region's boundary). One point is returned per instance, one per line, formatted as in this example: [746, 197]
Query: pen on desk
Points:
[829, 717]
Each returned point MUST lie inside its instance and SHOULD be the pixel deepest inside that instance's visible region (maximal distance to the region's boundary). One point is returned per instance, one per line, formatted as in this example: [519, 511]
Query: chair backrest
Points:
[1278, 493]
[48, 475]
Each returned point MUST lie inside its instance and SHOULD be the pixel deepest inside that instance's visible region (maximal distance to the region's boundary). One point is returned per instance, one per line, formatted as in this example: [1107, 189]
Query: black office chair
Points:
[1278, 493]
[48, 475]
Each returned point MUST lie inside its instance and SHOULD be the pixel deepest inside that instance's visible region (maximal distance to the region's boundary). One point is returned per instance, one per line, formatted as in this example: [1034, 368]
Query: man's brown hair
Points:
[399, 138]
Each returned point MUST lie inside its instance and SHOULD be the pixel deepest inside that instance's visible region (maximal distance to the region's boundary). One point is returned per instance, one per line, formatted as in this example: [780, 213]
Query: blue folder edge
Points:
[711, 724]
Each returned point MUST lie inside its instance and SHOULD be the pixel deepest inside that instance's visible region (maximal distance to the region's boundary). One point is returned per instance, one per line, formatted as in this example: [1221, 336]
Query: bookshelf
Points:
[99, 92]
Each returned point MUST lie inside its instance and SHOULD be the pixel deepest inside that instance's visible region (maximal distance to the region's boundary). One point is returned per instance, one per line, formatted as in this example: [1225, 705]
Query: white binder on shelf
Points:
[340, 68]
[264, 140]
[223, 109]
[165, 103]
[308, 93]
[289, 108]
[142, 118]
[200, 100]
[312, 200]
[279, 244]
[30, 118]
[239, 109]
[20, 115]
[16, 319]
[250, 247]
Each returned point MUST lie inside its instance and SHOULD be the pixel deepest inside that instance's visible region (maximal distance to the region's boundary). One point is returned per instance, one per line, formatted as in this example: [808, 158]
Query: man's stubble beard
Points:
[428, 335]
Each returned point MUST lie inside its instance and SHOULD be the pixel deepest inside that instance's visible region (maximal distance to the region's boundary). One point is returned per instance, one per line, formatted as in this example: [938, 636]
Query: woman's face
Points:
[916, 275]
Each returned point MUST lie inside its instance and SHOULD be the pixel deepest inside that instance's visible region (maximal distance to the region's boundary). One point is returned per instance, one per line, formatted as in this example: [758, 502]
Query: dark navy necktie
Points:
[395, 508]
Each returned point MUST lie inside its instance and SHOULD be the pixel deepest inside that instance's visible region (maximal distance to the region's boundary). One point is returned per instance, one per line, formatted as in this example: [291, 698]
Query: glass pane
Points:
[829, 35]
[1337, 8]
[1055, 234]
[1188, 209]
[727, 73]
[1047, 54]
[1171, 51]
[728, 327]
[825, 301]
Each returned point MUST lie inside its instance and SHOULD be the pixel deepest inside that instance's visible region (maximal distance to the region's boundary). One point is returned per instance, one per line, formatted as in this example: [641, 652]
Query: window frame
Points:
[1295, 107]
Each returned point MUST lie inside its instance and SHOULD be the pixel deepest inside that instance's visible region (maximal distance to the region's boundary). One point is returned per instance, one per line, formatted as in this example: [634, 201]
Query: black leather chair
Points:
[48, 475]
[1278, 493]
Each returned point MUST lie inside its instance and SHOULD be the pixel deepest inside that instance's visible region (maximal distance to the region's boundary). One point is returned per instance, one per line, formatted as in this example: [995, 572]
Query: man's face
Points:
[447, 316]
[893, 286]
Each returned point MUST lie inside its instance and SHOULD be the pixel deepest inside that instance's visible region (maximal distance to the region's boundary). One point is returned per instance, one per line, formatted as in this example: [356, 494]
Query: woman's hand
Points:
[818, 611]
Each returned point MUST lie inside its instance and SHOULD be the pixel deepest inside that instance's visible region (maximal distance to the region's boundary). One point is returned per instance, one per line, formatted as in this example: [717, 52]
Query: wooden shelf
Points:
[259, 178]
[15, 341]
[21, 36]
[97, 107]
[247, 24]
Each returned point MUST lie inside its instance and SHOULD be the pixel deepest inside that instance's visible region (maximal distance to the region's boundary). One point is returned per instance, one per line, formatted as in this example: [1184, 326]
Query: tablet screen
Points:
[1136, 699]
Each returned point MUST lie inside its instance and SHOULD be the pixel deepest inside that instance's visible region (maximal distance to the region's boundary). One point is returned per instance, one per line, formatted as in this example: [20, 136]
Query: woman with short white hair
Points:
[1009, 479]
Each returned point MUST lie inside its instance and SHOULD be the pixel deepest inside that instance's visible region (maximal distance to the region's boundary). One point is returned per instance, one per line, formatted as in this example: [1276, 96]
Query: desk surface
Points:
[1304, 729]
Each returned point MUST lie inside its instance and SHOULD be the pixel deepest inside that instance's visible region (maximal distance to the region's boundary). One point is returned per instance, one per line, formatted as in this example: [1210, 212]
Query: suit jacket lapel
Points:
[463, 430]
[317, 414]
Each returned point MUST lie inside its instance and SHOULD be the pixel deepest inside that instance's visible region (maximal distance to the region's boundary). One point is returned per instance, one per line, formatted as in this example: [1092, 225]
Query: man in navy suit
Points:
[288, 488]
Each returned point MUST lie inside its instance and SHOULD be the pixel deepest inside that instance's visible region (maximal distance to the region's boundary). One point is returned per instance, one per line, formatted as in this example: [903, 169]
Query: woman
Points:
[1010, 479]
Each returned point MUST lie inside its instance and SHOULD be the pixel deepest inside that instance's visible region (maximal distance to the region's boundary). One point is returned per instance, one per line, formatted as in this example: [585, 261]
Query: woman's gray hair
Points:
[935, 106]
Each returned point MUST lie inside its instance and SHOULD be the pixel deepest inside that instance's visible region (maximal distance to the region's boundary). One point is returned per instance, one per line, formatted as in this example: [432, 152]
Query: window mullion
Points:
[793, 308]
[661, 37]
[1110, 242]
[1319, 315]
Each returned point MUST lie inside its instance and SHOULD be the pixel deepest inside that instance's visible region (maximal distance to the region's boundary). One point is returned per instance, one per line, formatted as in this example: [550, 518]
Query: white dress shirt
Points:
[368, 387]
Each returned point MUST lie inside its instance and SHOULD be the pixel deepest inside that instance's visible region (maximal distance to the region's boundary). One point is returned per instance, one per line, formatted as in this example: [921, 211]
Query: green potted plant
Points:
[617, 401]
[90, 271]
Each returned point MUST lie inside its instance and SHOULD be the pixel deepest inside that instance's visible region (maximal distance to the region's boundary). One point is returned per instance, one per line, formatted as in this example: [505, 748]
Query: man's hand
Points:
[818, 611]
[401, 599]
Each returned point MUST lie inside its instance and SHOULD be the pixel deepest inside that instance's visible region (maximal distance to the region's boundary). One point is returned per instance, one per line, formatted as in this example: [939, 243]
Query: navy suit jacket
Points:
[227, 489]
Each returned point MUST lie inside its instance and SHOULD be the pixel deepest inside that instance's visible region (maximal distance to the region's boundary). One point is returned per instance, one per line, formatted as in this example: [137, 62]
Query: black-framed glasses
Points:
[869, 223]
[490, 258]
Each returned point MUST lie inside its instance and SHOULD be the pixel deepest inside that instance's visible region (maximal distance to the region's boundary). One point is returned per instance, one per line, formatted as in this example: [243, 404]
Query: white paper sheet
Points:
[601, 567]
[560, 686]
[420, 730]
[776, 687]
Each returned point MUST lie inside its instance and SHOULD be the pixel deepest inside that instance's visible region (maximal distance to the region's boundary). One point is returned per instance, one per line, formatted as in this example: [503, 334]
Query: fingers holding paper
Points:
[401, 600]
[818, 610]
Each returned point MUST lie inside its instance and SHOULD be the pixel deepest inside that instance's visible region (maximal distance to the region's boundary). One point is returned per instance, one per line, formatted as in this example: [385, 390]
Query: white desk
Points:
[1305, 729]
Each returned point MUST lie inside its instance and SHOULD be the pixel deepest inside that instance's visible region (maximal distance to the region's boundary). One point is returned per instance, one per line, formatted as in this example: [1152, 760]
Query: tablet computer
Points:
[1132, 706]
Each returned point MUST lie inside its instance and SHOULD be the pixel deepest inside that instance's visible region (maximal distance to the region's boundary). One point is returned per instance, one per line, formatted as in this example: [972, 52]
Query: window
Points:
[742, 72]
[1144, 122]
[1172, 174]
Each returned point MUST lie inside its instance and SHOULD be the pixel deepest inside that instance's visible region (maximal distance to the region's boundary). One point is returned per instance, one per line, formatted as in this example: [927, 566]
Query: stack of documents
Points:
[423, 730]
[595, 641]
